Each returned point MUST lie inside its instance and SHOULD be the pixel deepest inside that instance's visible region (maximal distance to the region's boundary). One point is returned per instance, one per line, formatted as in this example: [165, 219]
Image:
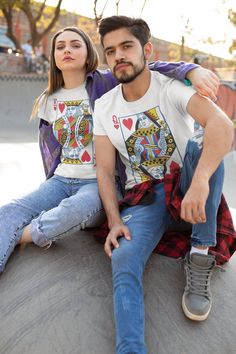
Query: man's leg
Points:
[147, 223]
[197, 298]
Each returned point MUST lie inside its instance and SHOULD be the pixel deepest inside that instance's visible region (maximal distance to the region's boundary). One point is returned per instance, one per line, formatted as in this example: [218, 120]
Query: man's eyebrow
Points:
[122, 43]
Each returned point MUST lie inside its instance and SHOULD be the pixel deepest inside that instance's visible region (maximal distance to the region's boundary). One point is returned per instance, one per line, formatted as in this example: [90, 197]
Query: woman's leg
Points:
[82, 209]
[16, 215]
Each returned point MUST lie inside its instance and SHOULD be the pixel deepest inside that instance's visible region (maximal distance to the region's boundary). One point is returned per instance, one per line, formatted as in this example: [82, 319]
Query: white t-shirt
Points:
[148, 133]
[69, 111]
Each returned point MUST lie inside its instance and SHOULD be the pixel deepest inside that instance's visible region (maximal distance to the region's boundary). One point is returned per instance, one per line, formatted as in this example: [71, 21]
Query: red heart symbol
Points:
[85, 157]
[116, 126]
[128, 123]
[61, 107]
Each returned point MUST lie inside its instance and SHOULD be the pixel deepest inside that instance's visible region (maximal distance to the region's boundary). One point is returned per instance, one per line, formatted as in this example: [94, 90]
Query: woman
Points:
[68, 200]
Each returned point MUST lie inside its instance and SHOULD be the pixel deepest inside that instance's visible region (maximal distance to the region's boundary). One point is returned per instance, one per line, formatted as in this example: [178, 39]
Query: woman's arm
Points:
[205, 81]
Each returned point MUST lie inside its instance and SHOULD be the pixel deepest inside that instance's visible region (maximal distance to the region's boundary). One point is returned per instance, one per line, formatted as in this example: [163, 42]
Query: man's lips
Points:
[121, 66]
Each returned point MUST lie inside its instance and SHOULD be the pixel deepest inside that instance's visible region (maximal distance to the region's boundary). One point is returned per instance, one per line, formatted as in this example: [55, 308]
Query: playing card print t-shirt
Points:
[70, 113]
[149, 133]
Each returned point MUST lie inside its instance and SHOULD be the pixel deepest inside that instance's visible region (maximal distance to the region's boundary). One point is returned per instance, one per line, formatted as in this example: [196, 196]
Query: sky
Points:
[168, 19]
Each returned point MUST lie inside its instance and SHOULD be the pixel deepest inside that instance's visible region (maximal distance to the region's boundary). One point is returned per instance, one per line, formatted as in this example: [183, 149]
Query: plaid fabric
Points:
[176, 243]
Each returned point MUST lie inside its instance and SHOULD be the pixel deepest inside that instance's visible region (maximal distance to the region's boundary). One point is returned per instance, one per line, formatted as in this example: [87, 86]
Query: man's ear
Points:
[148, 50]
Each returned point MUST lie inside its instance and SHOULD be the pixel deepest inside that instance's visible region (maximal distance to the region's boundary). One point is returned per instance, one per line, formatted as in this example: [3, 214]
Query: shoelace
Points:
[198, 280]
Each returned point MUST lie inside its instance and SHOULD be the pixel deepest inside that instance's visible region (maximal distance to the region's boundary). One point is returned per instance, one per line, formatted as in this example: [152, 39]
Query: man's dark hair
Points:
[136, 26]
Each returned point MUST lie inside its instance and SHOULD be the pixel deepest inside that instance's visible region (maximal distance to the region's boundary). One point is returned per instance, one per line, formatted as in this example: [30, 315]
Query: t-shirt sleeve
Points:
[181, 95]
[98, 127]
[42, 107]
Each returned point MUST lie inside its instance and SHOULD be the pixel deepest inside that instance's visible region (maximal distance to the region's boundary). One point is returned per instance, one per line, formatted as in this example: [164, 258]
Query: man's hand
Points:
[118, 230]
[194, 202]
[205, 82]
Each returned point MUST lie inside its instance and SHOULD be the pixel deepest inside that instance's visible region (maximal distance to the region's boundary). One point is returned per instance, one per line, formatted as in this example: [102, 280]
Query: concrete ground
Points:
[59, 301]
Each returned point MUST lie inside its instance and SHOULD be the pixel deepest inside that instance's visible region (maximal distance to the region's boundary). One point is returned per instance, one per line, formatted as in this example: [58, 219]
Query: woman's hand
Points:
[205, 82]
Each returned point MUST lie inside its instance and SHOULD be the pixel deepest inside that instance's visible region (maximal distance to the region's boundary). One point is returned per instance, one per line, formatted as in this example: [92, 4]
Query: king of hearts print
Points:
[73, 130]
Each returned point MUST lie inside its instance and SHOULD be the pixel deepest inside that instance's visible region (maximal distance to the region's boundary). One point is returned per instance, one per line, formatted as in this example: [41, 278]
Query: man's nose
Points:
[119, 55]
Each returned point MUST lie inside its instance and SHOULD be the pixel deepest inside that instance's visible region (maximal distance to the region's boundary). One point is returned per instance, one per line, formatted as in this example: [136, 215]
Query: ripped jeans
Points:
[59, 207]
[147, 223]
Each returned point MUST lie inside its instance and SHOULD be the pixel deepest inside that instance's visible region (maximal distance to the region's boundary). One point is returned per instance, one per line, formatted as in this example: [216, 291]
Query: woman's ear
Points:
[148, 50]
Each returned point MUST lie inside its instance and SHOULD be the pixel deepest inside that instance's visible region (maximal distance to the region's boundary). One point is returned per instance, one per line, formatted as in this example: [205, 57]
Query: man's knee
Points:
[125, 260]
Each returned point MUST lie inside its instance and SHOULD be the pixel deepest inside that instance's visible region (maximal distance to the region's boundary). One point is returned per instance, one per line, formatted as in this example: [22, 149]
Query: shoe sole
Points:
[192, 316]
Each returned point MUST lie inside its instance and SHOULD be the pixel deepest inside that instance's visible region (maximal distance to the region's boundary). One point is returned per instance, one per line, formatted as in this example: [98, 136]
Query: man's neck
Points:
[136, 89]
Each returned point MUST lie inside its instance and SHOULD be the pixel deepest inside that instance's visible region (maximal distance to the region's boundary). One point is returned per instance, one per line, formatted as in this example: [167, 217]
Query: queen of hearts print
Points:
[73, 130]
[150, 146]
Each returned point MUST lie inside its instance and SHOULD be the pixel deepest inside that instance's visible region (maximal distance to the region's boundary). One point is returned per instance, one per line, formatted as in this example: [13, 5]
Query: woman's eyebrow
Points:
[72, 41]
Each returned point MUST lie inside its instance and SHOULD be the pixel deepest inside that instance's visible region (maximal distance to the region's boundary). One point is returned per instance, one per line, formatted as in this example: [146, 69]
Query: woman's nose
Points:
[67, 50]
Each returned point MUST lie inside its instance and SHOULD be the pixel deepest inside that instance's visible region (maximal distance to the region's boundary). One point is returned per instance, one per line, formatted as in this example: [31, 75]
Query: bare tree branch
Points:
[144, 3]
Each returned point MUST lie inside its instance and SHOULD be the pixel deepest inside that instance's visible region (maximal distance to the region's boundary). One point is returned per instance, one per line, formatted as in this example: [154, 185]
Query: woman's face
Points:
[70, 52]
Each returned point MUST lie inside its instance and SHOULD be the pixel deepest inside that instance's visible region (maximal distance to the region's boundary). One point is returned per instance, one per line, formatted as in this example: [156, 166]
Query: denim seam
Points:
[40, 239]
[13, 240]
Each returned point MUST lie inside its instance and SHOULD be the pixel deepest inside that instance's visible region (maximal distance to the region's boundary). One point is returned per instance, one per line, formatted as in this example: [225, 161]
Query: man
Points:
[148, 150]
[27, 52]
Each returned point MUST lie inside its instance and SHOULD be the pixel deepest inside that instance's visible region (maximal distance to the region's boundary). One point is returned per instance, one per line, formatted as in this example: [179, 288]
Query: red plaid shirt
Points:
[176, 243]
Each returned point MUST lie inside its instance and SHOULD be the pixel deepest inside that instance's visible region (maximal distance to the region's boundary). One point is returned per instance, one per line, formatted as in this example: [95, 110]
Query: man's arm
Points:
[217, 142]
[105, 160]
[205, 81]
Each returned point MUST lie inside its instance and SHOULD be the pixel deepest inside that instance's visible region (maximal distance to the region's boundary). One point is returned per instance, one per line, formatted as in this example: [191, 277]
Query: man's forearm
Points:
[108, 195]
[218, 139]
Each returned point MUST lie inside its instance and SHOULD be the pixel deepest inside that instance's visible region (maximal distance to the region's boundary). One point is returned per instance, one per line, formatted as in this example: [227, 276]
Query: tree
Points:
[97, 16]
[41, 18]
[232, 18]
[7, 8]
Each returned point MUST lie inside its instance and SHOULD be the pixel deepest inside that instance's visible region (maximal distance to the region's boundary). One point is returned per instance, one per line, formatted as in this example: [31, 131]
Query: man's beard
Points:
[125, 78]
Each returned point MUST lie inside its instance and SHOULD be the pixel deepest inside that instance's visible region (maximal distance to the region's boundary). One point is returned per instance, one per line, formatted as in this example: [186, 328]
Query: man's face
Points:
[124, 55]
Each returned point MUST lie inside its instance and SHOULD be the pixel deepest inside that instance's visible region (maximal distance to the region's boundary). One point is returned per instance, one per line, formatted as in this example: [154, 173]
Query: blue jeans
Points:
[59, 207]
[147, 224]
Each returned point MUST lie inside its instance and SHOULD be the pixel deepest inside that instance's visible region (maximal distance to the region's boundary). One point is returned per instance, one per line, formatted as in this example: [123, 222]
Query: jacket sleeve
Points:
[176, 70]
[49, 147]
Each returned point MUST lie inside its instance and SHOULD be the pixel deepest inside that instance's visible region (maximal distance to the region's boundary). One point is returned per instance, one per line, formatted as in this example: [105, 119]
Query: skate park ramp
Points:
[59, 301]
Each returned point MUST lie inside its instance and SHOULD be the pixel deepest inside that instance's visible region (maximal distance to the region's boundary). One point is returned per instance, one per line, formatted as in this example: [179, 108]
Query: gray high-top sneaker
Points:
[197, 298]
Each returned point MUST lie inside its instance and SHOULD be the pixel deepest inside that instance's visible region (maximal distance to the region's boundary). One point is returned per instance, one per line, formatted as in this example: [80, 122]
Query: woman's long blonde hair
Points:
[55, 79]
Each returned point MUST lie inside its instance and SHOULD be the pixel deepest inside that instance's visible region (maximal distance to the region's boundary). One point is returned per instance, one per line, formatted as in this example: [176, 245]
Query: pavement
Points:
[59, 301]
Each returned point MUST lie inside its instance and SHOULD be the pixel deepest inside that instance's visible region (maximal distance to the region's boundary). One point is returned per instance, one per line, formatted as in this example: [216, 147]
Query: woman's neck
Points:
[73, 79]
